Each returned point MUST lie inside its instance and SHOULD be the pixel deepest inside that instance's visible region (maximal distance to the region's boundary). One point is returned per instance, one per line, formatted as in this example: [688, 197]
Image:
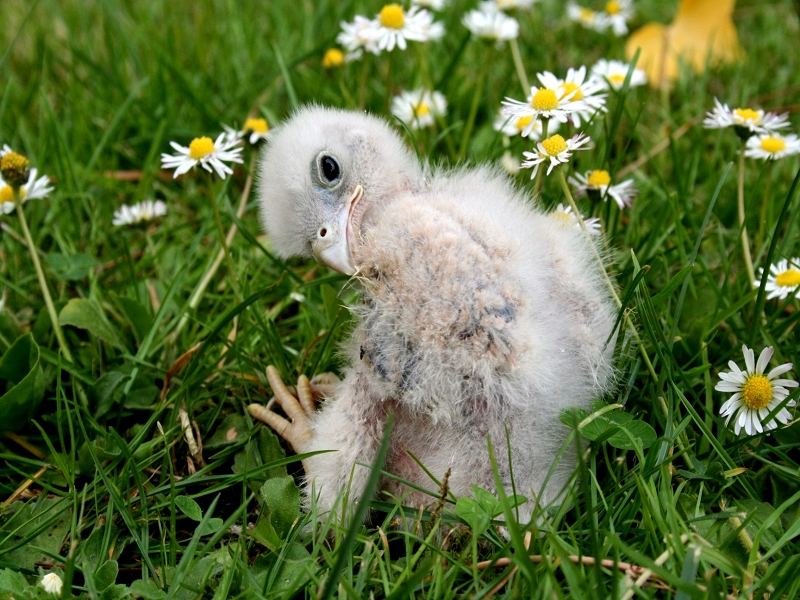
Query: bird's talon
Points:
[296, 429]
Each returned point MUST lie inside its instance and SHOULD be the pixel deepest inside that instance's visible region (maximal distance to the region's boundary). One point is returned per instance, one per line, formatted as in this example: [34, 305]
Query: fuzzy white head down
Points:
[481, 316]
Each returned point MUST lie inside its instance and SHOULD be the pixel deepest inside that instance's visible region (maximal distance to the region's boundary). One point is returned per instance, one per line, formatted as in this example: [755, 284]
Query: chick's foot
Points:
[298, 408]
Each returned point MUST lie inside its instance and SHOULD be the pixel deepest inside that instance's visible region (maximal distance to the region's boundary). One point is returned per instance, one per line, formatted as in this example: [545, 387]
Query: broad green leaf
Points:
[281, 500]
[70, 267]
[36, 530]
[189, 507]
[12, 582]
[213, 525]
[21, 383]
[139, 316]
[229, 431]
[473, 514]
[85, 313]
[295, 569]
[633, 432]
[106, 575]
[264, 533]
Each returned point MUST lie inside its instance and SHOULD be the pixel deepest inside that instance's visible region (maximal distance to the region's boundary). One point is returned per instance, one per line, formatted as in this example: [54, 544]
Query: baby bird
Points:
[481, 317]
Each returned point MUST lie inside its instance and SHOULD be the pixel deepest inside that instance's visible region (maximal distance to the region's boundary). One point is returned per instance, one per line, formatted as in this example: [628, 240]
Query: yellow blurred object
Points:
[702, 33]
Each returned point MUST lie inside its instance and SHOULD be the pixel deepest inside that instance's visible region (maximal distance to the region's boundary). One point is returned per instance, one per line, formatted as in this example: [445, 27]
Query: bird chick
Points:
[481, 318]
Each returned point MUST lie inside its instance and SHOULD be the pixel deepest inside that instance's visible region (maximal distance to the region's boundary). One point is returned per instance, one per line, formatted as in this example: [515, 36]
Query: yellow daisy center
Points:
[554, 145]
[255, 125]
[586, 15]
[522, 122]
[201, 147]
[6, 194]
[422, 109]
[757, 392]
[14, 168]
[333, 58]
[617, 78]
[572, 88]
[392, 16]
[12, 160]
[790, 278]
[747, 114]
[772, 144]
[598, 178]
[612, 7]
[544, 99]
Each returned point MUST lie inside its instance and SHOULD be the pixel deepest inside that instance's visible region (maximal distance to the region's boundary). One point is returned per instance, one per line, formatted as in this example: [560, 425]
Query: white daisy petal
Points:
[763, 359]
[749, 359]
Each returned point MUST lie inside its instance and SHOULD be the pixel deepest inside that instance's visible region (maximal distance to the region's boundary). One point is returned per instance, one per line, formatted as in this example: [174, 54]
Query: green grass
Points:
[93, 90]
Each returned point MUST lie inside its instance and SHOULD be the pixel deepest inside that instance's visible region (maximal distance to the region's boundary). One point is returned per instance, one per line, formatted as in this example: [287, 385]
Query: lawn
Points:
[129, 464]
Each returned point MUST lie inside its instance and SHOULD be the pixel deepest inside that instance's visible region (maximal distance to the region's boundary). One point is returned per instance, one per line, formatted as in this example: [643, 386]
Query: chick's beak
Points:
[332, 246]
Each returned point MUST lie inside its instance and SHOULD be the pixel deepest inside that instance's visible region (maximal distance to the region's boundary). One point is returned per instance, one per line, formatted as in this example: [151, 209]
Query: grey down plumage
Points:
[481, 317]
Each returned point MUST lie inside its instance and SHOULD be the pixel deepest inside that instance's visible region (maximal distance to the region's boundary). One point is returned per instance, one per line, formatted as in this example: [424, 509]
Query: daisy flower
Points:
[783, 279]
[5, 150]
[419, 108]
[139, 213]
[555, 151]
[524, 126]
[591, 19]
[612, 73]
[51, 583]
[744, 119]
[491, 24]
[256, 127]
[616, 14]
[772, 146]
[358, 36]
[35, 188]
[597, 184]
[210, 155]
[554, 103]
[755, 395]
[565, 215]
[576, 87]
[394, 26]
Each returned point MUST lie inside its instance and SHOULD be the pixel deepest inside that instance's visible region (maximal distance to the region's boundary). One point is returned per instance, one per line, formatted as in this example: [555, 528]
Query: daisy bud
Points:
[333, 58]
[14, 169]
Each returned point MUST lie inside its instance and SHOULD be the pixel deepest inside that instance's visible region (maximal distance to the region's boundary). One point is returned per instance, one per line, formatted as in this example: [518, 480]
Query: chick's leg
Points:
[335, 430]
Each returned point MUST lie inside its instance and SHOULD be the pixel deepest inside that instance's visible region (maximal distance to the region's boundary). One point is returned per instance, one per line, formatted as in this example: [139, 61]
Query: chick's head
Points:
[322, 173]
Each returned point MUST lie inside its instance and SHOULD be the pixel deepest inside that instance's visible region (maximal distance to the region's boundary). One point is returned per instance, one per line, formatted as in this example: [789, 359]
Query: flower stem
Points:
[571, 201]
[37, 265]
[748, 260]
[519, 67]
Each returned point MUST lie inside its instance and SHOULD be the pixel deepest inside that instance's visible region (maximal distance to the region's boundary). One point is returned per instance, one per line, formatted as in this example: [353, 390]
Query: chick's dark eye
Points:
[330, 168]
